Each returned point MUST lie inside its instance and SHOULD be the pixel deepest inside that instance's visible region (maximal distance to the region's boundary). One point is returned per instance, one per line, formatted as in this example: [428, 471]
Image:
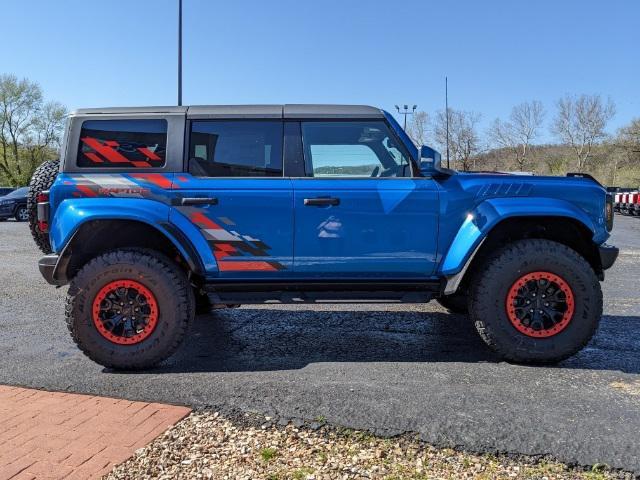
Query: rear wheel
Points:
[129, 309]
[22, 214]
[42, 179]
[536, 301]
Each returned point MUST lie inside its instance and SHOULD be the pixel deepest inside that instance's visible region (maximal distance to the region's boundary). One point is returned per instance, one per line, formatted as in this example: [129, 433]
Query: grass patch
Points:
[268, 454]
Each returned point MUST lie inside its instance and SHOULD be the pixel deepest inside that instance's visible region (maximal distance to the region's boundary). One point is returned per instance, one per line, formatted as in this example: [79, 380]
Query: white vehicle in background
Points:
[627, 203]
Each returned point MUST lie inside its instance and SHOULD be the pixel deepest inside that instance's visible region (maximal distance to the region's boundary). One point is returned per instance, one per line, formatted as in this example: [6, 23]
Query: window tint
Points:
[236, 148]
[123, 143]
[20, 192]
[353, 149]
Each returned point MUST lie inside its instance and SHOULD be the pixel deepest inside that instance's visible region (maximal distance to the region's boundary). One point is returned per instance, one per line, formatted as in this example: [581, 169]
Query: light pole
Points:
[405, 111]
[446, 110]
[179, 52]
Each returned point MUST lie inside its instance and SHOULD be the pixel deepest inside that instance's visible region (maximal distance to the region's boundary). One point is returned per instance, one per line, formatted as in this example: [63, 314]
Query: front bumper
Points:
[608, 255]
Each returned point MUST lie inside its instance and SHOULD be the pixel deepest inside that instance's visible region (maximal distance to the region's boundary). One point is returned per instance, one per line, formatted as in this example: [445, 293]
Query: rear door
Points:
[236, 195]
[359, 211]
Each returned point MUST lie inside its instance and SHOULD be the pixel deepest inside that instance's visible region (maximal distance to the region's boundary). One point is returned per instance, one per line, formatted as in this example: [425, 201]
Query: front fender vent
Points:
[515, 189]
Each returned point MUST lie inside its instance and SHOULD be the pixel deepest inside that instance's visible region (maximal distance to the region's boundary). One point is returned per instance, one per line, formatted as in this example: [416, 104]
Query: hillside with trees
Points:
[578, 123]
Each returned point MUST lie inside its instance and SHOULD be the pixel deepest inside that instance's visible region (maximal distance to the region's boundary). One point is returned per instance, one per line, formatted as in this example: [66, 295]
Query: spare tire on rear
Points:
[42, 179]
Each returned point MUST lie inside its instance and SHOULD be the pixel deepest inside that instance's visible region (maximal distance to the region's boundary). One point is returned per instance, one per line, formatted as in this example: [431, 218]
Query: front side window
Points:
[123, 144]
[235, 148]
[353, 149]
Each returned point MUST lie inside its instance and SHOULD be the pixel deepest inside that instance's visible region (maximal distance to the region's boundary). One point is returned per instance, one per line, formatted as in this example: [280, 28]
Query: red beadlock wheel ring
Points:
[125, 312]
[540, 304]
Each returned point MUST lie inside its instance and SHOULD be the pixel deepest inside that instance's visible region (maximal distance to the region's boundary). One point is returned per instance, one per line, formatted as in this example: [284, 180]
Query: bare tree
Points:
[517, 134]
[624, 151]
[30, 129]
[45, 134]
[580, 123]
[418, 128]
[629, 136]
[464, 143]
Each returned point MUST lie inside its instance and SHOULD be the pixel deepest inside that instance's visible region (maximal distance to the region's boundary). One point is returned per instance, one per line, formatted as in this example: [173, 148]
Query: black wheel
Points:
[41, 180]
[456, 303]
[22, 214]
[129, 309]
[535, 301]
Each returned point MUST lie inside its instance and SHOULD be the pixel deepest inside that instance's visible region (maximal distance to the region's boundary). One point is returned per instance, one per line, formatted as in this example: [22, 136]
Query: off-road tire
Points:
[41, 180]
[490, 286]
[167, 282]
[455, 303]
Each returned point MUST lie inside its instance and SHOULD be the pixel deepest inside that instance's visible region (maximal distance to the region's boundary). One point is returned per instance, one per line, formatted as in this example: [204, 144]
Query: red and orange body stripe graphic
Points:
[229, 247]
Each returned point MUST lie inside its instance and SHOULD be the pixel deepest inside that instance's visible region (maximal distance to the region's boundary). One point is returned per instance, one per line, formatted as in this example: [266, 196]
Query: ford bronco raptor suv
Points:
[153, 213]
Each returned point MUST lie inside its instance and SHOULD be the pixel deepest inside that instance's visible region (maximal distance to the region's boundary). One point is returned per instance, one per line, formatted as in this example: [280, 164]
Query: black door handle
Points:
[199, 201]
[321, 201]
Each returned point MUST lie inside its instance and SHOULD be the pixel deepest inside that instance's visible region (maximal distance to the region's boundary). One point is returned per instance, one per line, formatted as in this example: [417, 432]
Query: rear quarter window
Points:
[123, 144]
[236, 148]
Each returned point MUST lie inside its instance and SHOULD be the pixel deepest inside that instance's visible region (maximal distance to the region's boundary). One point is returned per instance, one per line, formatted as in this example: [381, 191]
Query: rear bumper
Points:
[608, 255]
[48, 266]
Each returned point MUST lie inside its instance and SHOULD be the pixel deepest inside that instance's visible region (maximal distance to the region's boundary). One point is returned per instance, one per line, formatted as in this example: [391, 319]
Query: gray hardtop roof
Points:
[248, 111]
[128, 110]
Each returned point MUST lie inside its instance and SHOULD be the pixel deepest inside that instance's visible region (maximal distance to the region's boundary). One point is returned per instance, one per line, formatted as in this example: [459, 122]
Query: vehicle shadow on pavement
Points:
[271, 339]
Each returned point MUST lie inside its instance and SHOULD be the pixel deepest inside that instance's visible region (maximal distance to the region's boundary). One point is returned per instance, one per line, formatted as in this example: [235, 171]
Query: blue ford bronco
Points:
[155, 213]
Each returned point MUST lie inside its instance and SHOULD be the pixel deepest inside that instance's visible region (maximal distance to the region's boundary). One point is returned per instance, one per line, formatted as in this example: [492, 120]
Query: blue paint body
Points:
[393, 228]
[382, 228]
[472, 204]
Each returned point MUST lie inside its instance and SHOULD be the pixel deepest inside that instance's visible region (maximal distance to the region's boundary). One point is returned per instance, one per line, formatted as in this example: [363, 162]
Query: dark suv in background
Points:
[14, 204]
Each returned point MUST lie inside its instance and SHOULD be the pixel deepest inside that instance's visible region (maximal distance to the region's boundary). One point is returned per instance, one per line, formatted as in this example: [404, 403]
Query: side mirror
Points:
[429, 160]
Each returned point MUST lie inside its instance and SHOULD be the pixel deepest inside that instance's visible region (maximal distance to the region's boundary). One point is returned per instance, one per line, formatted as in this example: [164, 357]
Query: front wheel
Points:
[536, 301]
[129, 309]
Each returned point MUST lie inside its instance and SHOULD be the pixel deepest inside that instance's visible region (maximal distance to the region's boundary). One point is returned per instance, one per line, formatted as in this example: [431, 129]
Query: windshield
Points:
[21, 192]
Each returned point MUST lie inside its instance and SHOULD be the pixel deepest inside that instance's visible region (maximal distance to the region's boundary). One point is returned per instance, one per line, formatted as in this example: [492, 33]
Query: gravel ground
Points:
[388, 369]
[208, 446]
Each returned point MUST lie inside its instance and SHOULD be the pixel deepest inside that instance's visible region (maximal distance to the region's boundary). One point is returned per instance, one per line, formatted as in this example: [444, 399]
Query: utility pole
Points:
[179, 52]
[446, 109]
[406, 112]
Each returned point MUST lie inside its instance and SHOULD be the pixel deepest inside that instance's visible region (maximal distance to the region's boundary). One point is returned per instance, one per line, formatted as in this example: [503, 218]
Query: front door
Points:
[236, 195]
[359, 213]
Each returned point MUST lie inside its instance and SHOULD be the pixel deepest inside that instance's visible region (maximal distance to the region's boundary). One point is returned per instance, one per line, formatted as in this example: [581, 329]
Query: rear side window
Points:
[123, 144]
[239, 148]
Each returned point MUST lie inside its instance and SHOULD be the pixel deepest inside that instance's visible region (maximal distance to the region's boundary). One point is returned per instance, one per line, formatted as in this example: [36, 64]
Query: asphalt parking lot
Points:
[386, 368]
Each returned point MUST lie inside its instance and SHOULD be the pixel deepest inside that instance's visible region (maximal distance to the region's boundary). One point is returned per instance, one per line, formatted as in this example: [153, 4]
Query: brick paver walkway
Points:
[48, 435]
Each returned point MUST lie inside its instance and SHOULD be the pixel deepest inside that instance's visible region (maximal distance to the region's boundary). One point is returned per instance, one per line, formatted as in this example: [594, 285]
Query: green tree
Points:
[30, 128]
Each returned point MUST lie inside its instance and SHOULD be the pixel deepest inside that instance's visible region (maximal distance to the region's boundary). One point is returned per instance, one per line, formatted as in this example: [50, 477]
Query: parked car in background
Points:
[6, 190]
[14, 205]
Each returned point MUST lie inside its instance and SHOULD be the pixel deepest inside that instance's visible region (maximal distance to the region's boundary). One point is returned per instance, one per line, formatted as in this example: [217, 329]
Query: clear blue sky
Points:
[496, 53]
